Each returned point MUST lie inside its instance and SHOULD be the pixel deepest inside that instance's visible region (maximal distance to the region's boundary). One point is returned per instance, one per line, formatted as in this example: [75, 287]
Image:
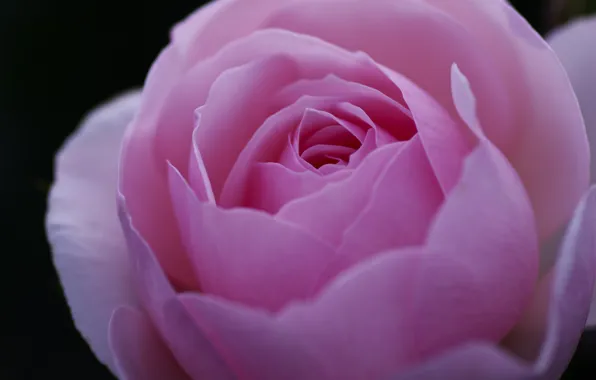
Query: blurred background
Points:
[58, 59]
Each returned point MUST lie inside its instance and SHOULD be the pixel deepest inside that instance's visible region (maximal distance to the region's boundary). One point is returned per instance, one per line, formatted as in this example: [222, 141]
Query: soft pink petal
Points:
[574, 45]
[473, 361]
[172, 322]
[246, 255]
[372, 26]
[497, 238]
[163, 129]
[142, 174]
[312, 127]
[271, 185]
[198, 178]
[359, 104]
[211, 27]
[563, 298]
[401, 206]
[139, 352]
[305, 56]
[230, 117]
[445, 140]
[324, 151]
[327, 213]
[254, 342]
[82, 225]
[268, 144]
[334, 134]
[368, 145]
[269, 141]
[470, 283]
[387, 129]
[549, 148]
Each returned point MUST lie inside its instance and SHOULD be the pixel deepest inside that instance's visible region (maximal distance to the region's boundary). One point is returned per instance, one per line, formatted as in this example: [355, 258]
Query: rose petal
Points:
[359, 104]
[480, 236]
[198, 178]
[551, 141]
[212, 26]
[458, 281]
[138, 350]
[323, 152]
[245, 255]
[574, 46]
[446, 142]
[173, 323]
[163, 129]
[271, 185]
[401, 206]
[335, 135]
[470, 362]
[267, 142]
[440, 40]
[259, 347]
[230, 117]
[368, 145]
[327, 213]
[373, 303]
[88, 247]
[563, 297]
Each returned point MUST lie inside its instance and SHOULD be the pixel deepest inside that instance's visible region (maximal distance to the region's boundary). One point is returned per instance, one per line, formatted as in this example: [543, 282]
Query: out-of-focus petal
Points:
[556, 317]
[247, 255]
[82, 225]
[139, 352]
[473, 361]
[575, 47]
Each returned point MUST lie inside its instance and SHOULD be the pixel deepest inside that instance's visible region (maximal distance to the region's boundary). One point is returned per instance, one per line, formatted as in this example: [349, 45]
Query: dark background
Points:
[58, 59]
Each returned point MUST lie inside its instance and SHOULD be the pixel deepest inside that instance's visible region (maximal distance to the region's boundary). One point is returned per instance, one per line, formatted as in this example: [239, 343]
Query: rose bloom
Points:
[326, 190]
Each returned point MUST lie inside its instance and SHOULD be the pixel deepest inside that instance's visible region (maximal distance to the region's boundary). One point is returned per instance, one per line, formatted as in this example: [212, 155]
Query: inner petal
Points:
[323, 154]
[332, 135]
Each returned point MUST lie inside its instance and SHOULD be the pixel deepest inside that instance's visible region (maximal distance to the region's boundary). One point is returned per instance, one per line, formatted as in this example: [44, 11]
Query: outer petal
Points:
[549, 148]
[574, 44]
[211, 27]
[391, 312]
[82, 223]
[556, 317]
[471, 362]
[260, 347]
[172, 322]
[246, 255]
[559, 308]
[139, 351]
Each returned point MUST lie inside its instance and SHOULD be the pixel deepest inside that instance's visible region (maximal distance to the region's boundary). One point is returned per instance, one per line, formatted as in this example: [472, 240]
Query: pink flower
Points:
[316, 190]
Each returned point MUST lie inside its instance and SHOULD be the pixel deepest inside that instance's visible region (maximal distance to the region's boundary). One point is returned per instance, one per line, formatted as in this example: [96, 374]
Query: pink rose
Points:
[325, 190]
